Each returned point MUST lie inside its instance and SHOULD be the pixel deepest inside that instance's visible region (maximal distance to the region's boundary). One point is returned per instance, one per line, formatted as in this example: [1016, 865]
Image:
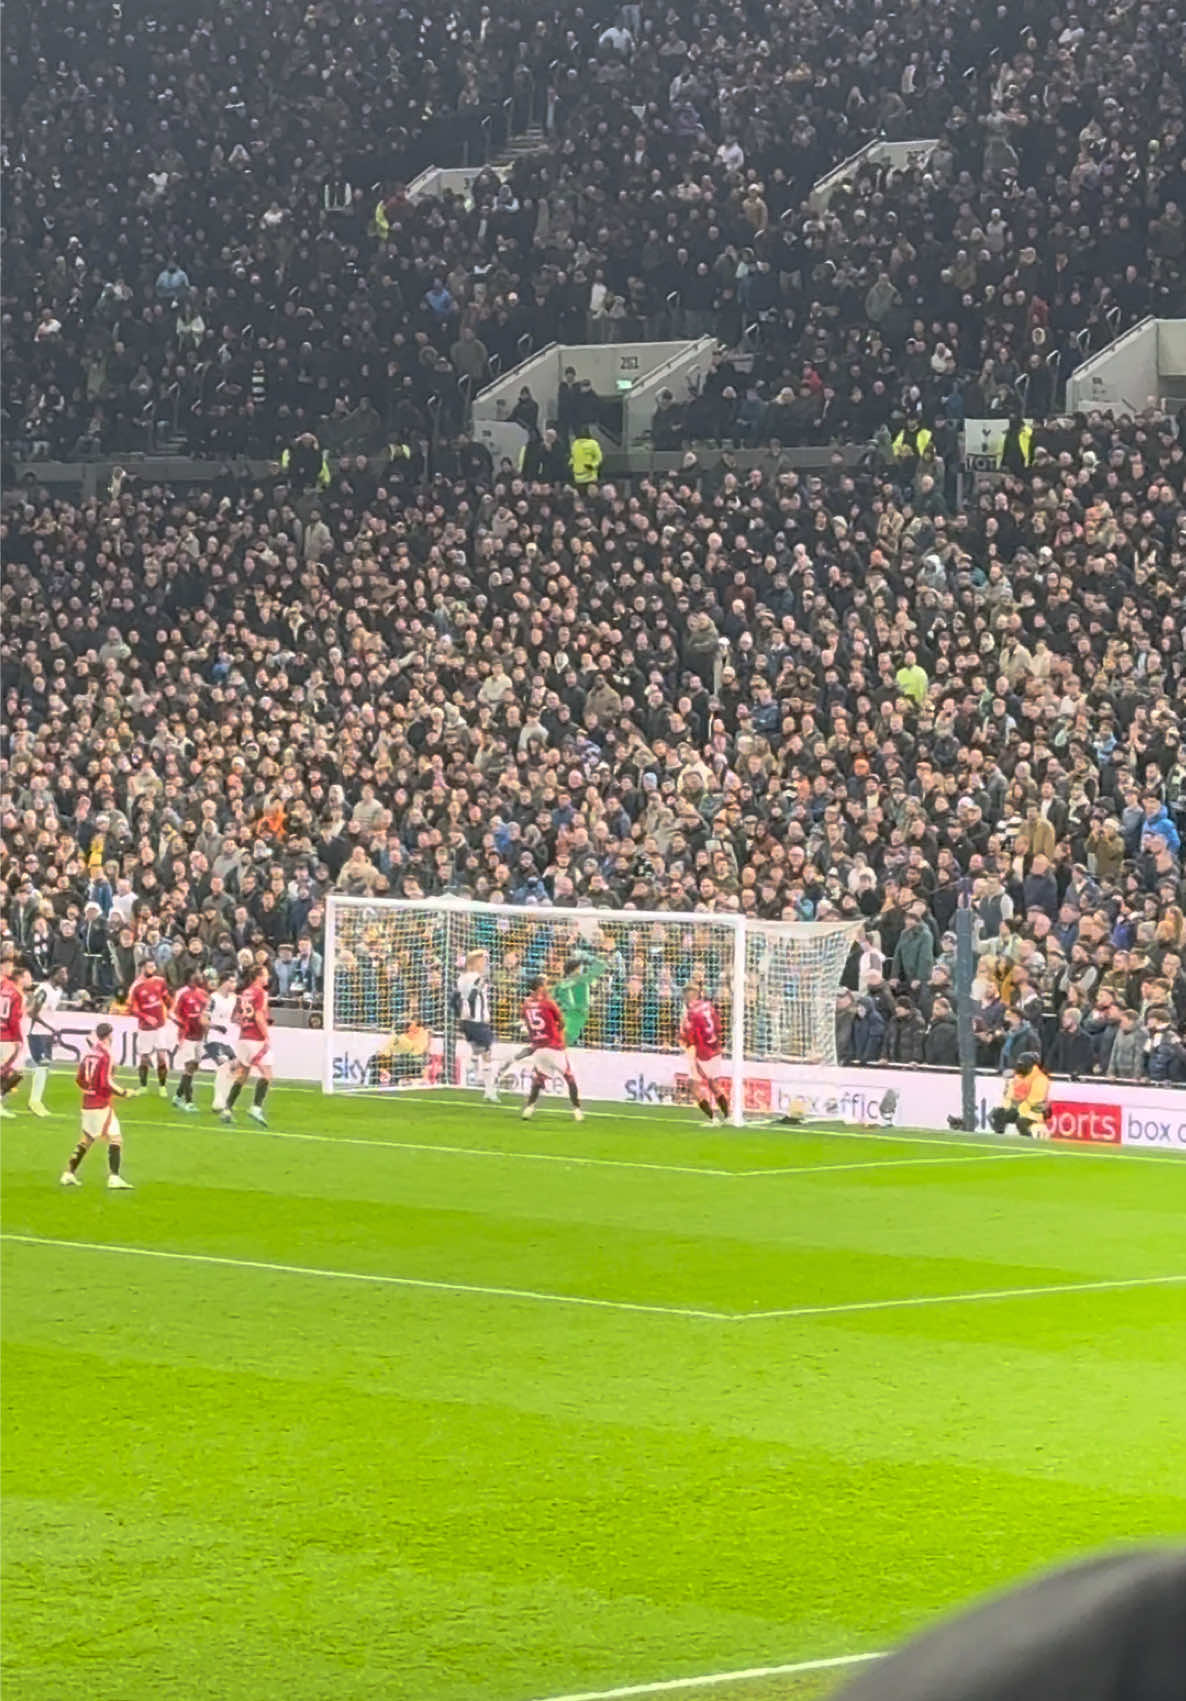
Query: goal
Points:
[392, 967]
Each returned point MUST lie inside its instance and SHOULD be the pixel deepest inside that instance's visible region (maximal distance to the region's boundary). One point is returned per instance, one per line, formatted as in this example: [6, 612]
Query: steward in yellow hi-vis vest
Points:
[585, 458]
[1026, 1100]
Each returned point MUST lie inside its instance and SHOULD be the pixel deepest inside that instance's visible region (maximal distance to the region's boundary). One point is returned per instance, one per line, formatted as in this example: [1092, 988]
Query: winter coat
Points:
[868, 1033]
[1127, 1061]
[914, 956]
[941, 1047]
[904, 1039]
[1071, 1053]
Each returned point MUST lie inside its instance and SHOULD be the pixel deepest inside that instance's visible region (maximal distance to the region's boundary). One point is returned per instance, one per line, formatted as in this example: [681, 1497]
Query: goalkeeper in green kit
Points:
[572, 995]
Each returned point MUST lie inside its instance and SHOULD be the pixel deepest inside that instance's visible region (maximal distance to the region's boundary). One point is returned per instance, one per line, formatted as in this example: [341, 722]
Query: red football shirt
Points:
[12, 1010]
[148, 1001]
[189, 1007]
[253, 1013]
[94, 1078]
[701, 1030]
[544, 1023]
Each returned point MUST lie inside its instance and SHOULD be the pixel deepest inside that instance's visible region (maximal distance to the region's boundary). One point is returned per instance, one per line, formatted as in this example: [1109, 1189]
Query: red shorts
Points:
[708, 1069]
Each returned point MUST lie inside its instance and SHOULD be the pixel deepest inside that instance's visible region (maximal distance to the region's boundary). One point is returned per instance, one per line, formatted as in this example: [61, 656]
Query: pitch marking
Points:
[958, 1298]
[254, 1131]
[380, 1280]
[369, 1276]
[711, 1679]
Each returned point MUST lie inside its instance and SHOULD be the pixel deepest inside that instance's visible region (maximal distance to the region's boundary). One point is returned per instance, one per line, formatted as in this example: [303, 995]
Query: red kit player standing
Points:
[148, 1001]
[545, 1036]
[190, 1019]
[254, 1050]
[13, 986]
[700, 1036]
[99, 1121]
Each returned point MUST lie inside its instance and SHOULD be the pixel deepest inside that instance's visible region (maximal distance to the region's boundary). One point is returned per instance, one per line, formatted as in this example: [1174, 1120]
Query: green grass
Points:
[256, 1485]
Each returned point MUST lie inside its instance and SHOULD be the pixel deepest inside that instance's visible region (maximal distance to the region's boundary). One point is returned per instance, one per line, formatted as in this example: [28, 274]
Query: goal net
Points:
[393, 1019]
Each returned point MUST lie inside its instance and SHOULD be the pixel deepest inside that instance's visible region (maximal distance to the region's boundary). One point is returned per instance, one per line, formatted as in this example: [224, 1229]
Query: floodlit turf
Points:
[243, 1483]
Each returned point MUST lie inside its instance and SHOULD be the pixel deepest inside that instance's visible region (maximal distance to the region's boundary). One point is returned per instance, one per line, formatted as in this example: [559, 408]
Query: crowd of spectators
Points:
[807, 697]
[406, 671]
[207, 235]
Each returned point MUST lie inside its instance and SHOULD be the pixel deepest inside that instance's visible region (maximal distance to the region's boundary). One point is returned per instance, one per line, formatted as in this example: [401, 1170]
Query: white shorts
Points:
[101, 1124]
[188, 1051]
[548, 1062]
[253, 1054]
[12, 1054]
[709, 1069]
[151, 1041]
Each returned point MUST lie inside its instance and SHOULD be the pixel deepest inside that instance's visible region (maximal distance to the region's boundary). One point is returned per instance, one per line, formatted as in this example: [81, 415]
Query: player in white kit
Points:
[474, 1018]
[44, 1001]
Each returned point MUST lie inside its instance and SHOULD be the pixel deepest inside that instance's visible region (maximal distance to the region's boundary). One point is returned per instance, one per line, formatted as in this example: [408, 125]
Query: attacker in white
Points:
[44, 1002]
[222, 1037]
[474, 1018]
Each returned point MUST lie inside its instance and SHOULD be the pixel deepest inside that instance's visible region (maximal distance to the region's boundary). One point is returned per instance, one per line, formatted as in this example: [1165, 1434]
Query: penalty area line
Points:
[848, 1306]
[373, 1278]
[713, 1680]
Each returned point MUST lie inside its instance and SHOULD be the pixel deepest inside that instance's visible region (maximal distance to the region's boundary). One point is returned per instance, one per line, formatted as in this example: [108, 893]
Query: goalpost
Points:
[392, 965]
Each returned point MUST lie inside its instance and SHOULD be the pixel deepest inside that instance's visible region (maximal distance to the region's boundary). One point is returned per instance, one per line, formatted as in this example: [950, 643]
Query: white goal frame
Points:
[748, 941]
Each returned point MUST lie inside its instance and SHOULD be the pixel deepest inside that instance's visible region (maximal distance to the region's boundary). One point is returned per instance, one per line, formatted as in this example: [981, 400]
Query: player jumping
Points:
[148, 1001]
[572, 995]
[99, 1121]
[545, 1031]
[189, 1014]
[254, 1050]
[44, 1001]
[473, 1010]
[700, 1036]
[13, 986]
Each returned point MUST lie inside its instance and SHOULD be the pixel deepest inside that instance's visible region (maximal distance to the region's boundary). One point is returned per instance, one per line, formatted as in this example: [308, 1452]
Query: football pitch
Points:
[410, 1400]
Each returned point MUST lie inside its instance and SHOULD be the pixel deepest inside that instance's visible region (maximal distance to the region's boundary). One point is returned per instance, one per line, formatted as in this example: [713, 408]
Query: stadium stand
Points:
[390, 665]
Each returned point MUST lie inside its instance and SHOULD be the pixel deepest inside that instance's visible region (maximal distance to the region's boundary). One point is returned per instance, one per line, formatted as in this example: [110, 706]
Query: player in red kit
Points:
[99, 1121]
[148, 1001]
[191, 1021]
[545, 1035]
[700, 1036]
[13, 986]
[254, 1050]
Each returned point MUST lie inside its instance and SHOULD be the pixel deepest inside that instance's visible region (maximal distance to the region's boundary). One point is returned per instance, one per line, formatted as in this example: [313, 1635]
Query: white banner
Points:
[1110, 1113]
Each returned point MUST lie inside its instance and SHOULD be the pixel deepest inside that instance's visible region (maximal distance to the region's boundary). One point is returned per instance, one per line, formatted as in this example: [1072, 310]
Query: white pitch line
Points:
[368, 1277]
[537, 1297]
[888, 1163]
[957, 1298]
[256, 1132]
[712, 1680]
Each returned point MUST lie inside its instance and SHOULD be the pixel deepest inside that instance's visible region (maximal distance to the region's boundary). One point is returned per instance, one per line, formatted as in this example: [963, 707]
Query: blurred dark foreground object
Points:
[1111, 1630]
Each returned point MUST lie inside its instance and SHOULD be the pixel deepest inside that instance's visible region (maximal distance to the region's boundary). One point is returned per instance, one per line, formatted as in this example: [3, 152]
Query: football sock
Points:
[162, 1072]
[80, 1152]
[537, 1086]
[261, 1092]
[185, 1087]
[40, 1077]
[222, 1085]
[143, 1073]
[115, 1156]
[236, 1089]
[705, 1106]
[722, 1104]
[9, 1081]
[573, 1095]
